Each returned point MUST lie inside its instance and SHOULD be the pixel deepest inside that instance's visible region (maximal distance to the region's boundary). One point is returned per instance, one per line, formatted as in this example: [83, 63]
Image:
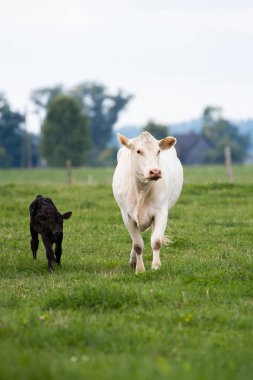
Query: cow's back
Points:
[41, 205]
[172, 172]
[122, 176]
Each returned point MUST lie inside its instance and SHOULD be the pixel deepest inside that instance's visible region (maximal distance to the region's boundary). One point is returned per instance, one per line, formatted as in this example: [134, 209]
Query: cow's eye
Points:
[138, 151]
[158, 152]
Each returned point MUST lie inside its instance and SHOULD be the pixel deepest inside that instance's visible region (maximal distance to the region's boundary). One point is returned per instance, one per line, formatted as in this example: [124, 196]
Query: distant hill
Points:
[186, 127]
[245, 126]
[132, 131]
[129, 131]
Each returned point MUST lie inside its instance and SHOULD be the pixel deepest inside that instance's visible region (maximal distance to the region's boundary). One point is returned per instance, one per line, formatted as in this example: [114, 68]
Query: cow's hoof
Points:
[140, 270]
[132, 264]
[156, 266]
[50, 270]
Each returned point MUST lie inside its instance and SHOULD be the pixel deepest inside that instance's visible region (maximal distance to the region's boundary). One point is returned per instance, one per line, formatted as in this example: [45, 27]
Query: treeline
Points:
[77, 125]
[221, 133]
[207, 146]
[17, 147]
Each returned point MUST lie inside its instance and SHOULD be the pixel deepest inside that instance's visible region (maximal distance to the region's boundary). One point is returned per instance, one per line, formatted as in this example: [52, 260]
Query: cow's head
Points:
[145, 154]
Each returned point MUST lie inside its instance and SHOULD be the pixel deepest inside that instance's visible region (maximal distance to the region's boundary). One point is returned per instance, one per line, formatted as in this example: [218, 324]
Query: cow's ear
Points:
[67, 215]
[123, 140]
[167, 142]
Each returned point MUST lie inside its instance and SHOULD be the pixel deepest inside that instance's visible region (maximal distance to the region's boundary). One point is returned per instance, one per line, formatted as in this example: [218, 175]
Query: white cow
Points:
[147, 182]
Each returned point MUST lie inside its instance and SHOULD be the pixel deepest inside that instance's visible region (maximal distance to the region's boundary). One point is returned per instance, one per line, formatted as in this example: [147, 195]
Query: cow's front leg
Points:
[49, 252]
[159, 227]
[58, 249]
[136, 260]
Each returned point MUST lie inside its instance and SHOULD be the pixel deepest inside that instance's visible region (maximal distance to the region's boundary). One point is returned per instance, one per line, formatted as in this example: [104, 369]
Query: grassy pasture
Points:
[94, 318]
[92, 176]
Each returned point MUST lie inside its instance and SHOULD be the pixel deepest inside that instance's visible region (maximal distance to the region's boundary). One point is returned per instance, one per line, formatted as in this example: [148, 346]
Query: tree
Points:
[211, 114]
[43, 96]
[159, 131]
[102, 108]
[220, 133]
[64, 133]
[11, 135]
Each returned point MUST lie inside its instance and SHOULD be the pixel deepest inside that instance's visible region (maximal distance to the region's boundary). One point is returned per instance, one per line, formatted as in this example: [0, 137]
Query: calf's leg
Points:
[34, 241]
[58, 249]
[159, 227]
[49, 252]
[136, 260]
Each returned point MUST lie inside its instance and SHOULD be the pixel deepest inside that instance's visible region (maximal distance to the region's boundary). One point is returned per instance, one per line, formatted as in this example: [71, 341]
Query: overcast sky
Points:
[175, 56]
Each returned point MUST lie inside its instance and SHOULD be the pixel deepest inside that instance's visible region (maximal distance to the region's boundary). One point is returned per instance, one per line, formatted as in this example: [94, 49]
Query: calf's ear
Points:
[67, 215]
[123, 140]
[167, 142]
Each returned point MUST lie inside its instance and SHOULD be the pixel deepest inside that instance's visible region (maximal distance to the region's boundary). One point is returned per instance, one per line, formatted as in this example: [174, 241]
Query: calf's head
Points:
[145, 154]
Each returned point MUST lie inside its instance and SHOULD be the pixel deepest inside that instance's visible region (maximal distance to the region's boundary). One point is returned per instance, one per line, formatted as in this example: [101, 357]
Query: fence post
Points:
[69, 172]
[228, 163]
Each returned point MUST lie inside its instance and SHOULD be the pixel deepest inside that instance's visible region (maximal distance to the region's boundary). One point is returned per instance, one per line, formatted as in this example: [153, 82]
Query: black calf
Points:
[47, 221]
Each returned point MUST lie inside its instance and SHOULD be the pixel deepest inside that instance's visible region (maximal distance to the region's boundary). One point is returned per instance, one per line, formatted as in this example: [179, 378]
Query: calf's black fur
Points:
[47, 221]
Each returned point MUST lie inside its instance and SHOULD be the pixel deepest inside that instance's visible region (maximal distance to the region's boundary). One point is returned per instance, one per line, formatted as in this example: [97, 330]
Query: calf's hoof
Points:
[50, 270]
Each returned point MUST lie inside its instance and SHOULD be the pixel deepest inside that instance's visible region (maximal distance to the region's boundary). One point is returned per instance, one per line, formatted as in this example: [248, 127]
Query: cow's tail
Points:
[166, 240]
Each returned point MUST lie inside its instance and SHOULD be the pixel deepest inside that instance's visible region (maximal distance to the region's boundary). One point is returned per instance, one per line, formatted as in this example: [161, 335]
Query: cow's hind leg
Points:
[49, 252]
[136, 260]
[159, 227]
[133, 259]
[34, 241]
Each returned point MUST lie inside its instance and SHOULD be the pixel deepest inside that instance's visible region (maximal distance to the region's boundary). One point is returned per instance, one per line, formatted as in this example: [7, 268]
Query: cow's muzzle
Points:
[154, 174]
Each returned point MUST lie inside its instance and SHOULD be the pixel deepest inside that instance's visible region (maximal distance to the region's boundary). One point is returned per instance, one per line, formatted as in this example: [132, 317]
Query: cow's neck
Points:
[142, 190]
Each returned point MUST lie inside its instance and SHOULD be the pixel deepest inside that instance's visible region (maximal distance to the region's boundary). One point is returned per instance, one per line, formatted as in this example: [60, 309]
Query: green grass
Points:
[92, 176]
[45, 176]
[94, 318]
